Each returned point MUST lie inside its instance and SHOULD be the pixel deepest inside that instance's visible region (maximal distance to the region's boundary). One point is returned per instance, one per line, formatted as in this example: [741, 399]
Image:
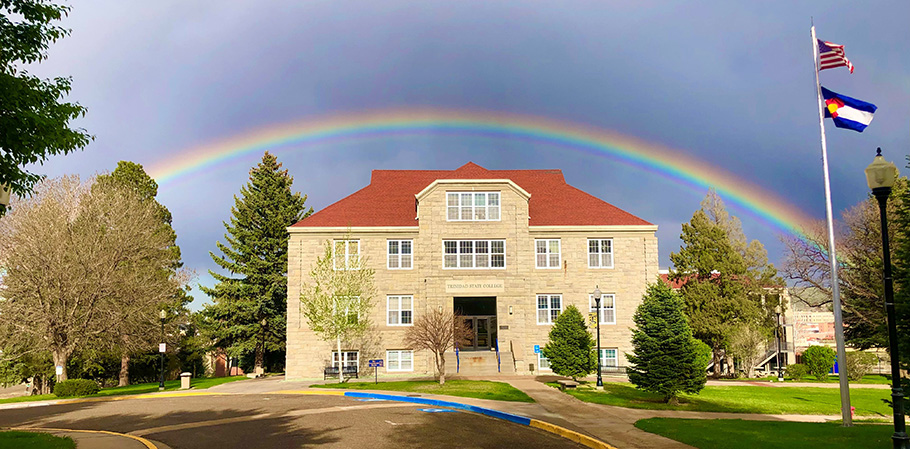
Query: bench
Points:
[563, 384]
[332, 371]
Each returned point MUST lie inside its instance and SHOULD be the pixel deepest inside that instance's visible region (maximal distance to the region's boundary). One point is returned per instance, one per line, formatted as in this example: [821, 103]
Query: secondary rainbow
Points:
[671, 164]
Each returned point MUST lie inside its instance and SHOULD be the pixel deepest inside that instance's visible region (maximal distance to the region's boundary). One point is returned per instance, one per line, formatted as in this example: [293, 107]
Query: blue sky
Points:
[728, 82]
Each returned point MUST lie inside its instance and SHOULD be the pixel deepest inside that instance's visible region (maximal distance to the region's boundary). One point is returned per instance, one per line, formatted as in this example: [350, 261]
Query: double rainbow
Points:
[670, 164]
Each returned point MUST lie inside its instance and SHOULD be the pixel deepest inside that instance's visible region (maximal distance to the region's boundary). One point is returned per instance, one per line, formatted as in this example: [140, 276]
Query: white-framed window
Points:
[607, 308]
[401, 310]
[548, 308]
[399, 360]
[547, 251]
[600, 253]
[401, 254]
[346, 255]
[543, 363]
[474, 254]
[472, 206]
[346, 303]
[349, 358]
[608, 358]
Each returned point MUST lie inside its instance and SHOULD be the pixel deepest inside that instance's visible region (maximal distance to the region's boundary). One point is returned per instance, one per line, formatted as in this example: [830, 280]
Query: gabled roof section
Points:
[389, 200]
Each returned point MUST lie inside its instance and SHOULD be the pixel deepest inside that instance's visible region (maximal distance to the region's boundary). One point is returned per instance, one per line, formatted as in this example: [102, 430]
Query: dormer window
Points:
[472, 206]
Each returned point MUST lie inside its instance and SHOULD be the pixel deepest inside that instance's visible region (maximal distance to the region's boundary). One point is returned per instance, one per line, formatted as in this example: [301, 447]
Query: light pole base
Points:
[599, 387]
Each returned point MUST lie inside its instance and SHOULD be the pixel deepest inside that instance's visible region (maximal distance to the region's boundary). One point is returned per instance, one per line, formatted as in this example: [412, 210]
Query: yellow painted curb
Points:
[314, 392]
[147, 443]
[141, 396]
[570, 434]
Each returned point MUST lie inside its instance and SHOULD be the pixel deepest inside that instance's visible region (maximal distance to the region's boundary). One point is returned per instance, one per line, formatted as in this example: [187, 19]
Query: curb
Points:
[148, 444]
[517, 419]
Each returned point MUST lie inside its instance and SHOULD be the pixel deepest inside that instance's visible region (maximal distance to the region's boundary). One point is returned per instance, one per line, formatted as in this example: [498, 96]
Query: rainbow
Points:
[666, 162]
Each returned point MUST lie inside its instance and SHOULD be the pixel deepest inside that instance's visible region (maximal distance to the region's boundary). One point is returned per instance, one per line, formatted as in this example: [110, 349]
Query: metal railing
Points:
[457, 359]
[498, 360]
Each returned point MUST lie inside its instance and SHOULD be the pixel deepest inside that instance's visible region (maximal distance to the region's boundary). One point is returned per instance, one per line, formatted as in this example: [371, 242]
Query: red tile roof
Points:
[389, 199]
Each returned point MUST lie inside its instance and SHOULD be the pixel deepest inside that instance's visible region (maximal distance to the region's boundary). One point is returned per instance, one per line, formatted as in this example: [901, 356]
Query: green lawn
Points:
[199, 384]
[727, 433]
[867, 379]
[743, 399]
[480, 389]
[34, 440]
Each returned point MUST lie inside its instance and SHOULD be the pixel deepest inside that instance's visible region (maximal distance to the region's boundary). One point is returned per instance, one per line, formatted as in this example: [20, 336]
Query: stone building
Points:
[508, 249]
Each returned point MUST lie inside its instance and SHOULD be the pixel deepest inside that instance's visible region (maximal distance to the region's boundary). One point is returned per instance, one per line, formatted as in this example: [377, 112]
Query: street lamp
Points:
[161, 349]
[597, 294]
[880, 176]
[780, 373]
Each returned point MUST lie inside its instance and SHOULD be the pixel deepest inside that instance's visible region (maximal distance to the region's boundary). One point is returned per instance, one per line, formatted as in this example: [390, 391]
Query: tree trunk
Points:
[258, 366]
[716, 363]
[59, 356]
[340, 361]
[441, 367]
[124, 369]
[673, 400]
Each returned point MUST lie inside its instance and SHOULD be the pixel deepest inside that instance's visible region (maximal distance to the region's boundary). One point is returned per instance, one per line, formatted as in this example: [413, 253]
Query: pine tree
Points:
[248, 316]
[571, 348]
[666, 359]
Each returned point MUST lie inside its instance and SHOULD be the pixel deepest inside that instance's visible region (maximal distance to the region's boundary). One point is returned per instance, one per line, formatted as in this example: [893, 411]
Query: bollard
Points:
[185, 381]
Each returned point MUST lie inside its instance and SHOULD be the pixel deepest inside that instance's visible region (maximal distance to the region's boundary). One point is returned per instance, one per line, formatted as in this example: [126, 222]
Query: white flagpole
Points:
[846, 414]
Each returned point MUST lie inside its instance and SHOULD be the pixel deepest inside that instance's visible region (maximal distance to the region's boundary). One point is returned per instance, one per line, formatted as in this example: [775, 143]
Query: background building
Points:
[508, 249]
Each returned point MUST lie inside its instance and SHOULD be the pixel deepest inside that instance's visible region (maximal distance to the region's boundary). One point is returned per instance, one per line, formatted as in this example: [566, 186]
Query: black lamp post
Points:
[597, 294]
[161, 349]
[880, 176]
[780, 373]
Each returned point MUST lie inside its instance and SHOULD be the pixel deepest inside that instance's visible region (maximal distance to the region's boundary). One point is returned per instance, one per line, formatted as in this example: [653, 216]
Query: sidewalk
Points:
[90, 439]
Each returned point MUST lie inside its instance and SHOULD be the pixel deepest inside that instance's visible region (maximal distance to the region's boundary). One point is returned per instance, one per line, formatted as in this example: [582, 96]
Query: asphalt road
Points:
[286, 421]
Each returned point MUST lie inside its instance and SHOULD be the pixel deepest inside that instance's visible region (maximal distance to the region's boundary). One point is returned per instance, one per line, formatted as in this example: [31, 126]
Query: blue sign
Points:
[537, 349]
[376, 363]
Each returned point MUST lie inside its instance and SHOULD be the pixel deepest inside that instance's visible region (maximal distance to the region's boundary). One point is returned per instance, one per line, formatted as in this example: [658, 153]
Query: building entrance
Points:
[479, 316]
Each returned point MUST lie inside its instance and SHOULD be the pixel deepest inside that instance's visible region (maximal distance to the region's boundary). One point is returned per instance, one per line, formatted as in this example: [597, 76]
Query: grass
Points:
[480, 389]
[199, 384]
[725, 433]
[743, 399]
[867, 379]
[34, 440]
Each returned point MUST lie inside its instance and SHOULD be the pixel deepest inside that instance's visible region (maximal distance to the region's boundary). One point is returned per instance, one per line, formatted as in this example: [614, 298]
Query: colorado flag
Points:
[848, 112]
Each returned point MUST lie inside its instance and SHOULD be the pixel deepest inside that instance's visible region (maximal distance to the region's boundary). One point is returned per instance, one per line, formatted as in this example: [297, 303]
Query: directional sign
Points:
[376, 363]
[537, 349]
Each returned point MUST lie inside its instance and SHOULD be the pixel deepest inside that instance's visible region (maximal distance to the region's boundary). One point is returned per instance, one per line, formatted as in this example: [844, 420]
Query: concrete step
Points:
[480, 363]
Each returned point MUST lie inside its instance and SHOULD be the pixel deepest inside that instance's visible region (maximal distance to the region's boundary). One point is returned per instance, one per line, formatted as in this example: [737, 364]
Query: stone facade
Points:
[515, 286]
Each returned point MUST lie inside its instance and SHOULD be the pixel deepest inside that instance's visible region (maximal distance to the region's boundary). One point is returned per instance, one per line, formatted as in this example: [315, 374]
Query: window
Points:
[547, 253]
[607, 308]
[401, 254]
[399, 360]
[548, 308]
[347, 303]
[400, 310]
[346, 255]
[349, 358]
[600, 253]
[474, 254]
[608, 358]
[543, 363]
[472, 206]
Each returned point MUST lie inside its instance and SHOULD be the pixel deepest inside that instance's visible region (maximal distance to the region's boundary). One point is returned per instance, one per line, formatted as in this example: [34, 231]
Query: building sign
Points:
[375, 363]
[476, 286]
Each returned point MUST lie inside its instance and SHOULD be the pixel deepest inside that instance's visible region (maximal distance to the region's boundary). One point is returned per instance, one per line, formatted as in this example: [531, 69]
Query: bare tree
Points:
[75, 258]
[338, 302]
[437, 331]
[748, 344]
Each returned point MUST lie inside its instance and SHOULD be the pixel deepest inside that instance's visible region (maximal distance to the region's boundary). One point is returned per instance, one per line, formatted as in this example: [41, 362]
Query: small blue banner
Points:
[537, 349]
[376, 363]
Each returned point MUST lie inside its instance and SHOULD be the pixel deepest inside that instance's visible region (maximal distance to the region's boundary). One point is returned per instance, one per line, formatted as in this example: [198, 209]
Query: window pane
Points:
[606, 246]
[451, 261]
[542, 316]
[452, 213]
[466, 260]
[480, 213]
[554, 260]
[405, 303]
[493, 199]
[542, 260]
[466, 246]
[553, 315]
[483, 261]
[406, 247]
[494, 213]
[544, 363]
[593, 247]
[607, 260]
[451, 246]
[407, 360]
[554, 246]
[607, 301]
[498, 261]
[393, 246]
[542, 302]
[541, 246]
[406, 261]
[405, 317]
[452, 199]
[393, 317]
[393, 261]
[497, 246]
[593, 259]
[480, 199]
[609, 315]
[555, 302]
[481, 246]
[465, 213]
[354, 247]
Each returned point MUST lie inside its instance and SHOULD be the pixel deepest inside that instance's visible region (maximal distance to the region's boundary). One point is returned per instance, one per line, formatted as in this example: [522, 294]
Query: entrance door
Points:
[479, 331]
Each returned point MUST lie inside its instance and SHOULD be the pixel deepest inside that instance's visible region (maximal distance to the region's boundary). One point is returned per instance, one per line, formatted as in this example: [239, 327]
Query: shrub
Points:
[859, 363]
[819, 360]
[75, 387]
[797, 371]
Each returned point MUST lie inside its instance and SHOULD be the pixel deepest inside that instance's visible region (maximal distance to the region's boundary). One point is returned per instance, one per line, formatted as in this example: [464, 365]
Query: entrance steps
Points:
[480, 363]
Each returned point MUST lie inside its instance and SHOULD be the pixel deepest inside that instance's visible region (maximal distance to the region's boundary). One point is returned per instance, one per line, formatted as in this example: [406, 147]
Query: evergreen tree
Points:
[722, 277]
[900, 244]
[248, 316]
[571, 348]
[667, 358]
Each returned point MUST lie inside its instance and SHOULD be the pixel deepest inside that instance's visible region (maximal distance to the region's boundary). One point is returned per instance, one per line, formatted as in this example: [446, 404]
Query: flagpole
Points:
[846, 414]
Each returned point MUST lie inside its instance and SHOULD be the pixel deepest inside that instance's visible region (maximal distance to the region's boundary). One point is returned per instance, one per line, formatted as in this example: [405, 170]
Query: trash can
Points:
[185, 381]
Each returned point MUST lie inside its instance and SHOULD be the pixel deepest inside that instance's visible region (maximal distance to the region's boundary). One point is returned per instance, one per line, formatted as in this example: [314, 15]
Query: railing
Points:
[613, 369]
[498, 361]
[457, 359]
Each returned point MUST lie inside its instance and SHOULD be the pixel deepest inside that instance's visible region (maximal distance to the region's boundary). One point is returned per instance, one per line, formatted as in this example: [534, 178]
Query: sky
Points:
[727, 85]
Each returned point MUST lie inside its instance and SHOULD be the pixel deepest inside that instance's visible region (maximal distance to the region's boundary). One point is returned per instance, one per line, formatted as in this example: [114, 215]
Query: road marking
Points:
[437, 410]
[147, 443]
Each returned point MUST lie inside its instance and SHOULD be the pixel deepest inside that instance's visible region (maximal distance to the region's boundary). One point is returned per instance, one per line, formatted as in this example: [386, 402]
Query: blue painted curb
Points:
[437, 403]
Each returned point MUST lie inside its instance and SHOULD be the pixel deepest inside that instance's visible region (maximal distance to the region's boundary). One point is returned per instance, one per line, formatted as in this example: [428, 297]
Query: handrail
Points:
[498, 361]
[457, 360]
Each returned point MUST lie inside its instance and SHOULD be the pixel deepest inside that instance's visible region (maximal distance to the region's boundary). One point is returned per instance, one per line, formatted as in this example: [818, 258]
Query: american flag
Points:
[832, 55]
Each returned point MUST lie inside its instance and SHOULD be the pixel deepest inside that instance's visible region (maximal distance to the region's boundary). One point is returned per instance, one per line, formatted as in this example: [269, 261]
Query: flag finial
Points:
[879, 153]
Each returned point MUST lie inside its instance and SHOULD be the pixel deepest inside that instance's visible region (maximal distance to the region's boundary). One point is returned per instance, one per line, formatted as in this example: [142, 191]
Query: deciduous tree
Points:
[249, 313]
[337, 302]
[666, 358]
[34, 122]
[437, 331]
